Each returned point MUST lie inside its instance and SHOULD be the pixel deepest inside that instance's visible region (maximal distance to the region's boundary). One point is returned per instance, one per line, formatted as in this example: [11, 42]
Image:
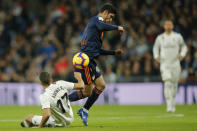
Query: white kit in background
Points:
[169, 47]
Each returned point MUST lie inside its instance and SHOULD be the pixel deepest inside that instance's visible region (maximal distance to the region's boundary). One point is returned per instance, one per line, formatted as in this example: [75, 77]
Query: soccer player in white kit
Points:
[169, 49]
[57, 111]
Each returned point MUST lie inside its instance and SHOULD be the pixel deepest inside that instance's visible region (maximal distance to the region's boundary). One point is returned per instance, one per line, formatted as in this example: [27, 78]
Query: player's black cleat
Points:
[22, 124]
[26, 124]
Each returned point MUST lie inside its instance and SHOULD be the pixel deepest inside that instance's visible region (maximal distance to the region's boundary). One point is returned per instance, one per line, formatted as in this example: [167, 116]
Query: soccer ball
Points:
[80, 60]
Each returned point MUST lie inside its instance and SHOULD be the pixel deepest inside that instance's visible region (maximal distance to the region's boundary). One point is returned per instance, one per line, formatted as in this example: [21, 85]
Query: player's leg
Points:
[83, 113]
[34, 120]
[168, 87]
[95, 76]
[175, 78]
[174, 92]
[27, 122]
[80, 94]
[99, 87]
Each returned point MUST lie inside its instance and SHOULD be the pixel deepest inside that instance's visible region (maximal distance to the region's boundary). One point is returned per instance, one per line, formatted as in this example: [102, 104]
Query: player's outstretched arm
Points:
[111, 52]
[102, 26]
[119, 52]
[121, 29]
[80, 84]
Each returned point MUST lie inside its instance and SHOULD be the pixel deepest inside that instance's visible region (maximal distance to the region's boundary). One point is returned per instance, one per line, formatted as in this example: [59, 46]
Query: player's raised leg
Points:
[100, 86]
[80, 94]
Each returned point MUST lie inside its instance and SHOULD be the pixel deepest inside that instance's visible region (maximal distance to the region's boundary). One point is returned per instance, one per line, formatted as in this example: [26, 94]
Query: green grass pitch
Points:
[110, 118]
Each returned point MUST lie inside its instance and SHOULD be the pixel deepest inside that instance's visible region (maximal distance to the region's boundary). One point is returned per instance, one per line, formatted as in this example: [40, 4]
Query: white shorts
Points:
[170, 73]
[50, 123]
[37, 119]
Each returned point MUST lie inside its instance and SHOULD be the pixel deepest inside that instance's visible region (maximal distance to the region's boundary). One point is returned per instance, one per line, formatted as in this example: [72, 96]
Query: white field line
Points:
[135, 117]
[10, 120]
[115, 118]
[170, 115]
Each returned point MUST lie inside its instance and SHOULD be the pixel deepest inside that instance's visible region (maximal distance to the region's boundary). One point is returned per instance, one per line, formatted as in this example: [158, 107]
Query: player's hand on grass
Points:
[118, 52]
[121, 29]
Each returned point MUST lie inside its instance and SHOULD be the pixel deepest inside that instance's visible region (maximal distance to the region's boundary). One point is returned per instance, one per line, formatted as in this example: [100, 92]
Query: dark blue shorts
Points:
[90, 73]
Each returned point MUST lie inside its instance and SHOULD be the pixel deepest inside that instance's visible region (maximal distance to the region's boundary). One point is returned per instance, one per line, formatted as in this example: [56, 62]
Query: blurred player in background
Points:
[92, 45]
[55, 104]
[169, 49]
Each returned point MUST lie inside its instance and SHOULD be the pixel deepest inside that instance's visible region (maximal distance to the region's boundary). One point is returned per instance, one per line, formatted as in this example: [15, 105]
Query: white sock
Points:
[168, 95]
[85, 110]
[174, 92]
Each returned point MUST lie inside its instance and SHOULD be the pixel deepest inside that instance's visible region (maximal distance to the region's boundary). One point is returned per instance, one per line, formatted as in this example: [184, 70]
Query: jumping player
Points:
[92, 45]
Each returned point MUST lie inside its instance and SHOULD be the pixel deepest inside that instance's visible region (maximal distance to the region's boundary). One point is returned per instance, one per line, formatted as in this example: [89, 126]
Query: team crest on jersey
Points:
[100, 18]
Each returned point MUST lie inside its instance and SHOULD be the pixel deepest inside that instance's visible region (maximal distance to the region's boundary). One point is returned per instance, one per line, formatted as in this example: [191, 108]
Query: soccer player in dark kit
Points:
[92, 46]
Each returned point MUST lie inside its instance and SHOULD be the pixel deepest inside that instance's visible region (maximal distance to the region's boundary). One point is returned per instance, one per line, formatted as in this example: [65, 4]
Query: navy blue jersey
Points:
[92, 37]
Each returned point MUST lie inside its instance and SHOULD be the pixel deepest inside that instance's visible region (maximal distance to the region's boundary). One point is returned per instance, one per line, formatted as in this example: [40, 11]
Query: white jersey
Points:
[55, 97]
[169, 47]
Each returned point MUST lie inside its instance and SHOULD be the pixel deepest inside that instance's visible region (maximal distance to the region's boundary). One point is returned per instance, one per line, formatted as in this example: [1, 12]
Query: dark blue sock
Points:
[91, 99]
[76, 95]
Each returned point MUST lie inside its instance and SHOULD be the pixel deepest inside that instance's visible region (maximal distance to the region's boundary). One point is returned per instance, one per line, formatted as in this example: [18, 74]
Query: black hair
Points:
[109, 7]
[45, 78]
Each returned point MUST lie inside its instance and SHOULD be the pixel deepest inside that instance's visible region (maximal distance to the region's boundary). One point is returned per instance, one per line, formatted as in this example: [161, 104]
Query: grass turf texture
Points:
[111, 118]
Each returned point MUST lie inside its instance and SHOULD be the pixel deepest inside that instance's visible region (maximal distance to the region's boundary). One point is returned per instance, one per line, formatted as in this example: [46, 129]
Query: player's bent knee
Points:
[87, 91]
[29, 118]
[87, 94]
[167, 83]
[101, 87]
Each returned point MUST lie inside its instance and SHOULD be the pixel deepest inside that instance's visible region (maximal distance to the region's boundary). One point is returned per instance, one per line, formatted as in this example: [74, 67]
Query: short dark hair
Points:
[45, 78]
[109, 7]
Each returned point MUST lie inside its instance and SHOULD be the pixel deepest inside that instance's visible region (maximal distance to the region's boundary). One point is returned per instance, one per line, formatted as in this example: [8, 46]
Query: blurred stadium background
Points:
[40, 35]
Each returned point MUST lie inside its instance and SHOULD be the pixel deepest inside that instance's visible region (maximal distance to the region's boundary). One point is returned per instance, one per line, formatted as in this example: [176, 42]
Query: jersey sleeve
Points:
[156, 48]
[65, 84]
[102, 26]
[183, 46]
[107, 52]
[44, 100]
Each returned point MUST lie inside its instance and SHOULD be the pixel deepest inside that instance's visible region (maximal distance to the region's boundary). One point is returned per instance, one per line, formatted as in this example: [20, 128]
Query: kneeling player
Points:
[55, 103]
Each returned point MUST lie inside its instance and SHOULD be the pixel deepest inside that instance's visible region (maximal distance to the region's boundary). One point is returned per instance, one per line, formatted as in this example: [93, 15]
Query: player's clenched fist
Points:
[118, 52]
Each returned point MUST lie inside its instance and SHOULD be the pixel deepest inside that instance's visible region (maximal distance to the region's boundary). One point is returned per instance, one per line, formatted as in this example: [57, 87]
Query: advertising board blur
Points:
[117, 93]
